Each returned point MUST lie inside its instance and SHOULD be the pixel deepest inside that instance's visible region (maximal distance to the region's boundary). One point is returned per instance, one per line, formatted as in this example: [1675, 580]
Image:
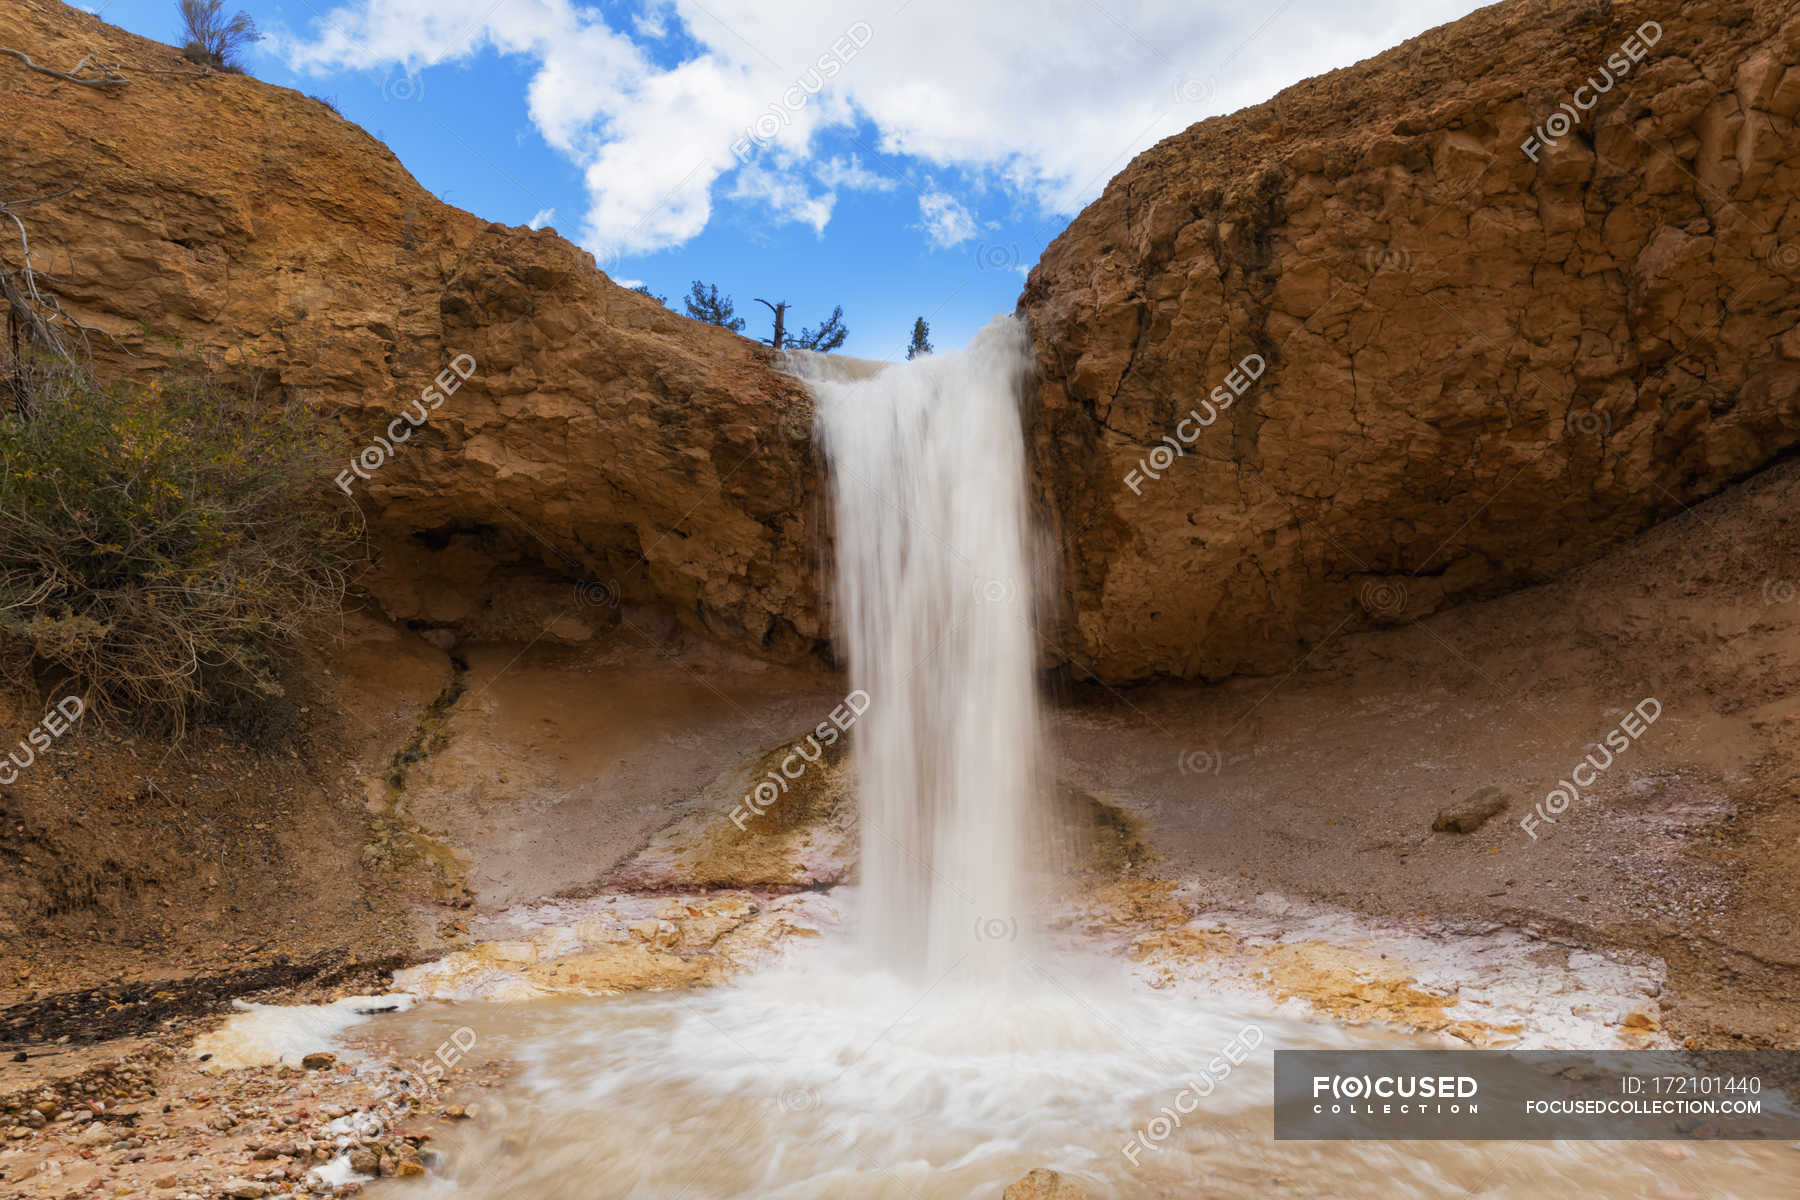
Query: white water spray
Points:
[822, 1078]
[934, 593]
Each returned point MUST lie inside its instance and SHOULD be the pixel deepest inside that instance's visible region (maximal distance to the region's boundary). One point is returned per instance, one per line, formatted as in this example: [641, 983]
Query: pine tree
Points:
[826, 337]
[921, 340]
[705, 304]
[643, 289]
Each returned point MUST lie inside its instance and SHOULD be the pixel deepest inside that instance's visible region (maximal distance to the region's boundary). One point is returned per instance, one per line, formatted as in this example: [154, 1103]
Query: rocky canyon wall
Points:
[1477, 348]
[1473, 352]
[603, 450]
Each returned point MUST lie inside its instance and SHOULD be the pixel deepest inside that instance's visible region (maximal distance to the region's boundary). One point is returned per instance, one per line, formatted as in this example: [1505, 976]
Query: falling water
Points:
[934, 593]
[828, 1075]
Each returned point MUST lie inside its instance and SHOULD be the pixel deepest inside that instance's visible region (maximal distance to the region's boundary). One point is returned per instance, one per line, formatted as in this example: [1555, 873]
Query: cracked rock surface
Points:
[1481, 369]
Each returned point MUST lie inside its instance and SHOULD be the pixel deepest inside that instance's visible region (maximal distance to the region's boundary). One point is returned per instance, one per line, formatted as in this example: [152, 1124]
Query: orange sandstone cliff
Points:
[1490, 351]
[1477, 361]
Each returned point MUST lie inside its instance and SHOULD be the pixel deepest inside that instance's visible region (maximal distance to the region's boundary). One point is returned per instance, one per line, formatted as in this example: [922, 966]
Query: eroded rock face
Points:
[600, 438]
[1483, 363]
[1476, 365]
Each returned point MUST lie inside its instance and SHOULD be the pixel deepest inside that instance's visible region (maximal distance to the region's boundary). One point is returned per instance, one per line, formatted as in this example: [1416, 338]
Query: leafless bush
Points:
[213, 38]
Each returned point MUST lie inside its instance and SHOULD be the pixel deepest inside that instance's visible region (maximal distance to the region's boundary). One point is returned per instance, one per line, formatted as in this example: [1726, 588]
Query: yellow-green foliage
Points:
[159, 544]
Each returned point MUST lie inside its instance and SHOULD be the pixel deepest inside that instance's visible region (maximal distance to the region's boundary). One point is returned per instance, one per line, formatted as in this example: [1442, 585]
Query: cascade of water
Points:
[934, 599]
[822, 1077]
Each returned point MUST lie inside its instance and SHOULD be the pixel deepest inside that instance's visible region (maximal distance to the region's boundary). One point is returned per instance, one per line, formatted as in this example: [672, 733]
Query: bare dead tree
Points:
[779, 308]
[108, 76]
[111, 74]
[40, 334]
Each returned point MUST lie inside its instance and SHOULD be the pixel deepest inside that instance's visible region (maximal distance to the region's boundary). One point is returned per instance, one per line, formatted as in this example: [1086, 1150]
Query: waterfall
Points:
[934, 595]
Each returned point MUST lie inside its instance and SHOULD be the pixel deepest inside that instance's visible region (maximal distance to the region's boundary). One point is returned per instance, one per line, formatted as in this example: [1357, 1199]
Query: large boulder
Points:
[1483, 352]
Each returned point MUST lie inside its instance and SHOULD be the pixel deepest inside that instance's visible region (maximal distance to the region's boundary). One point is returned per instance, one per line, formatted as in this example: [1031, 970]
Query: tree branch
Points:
[109, 75]
[35, 319]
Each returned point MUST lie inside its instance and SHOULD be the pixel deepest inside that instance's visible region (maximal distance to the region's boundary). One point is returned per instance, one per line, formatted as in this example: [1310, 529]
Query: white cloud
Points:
[785, 196]
[541, 218]
[848, 173]
[1046, 99]
[653, 22]
[945, 221]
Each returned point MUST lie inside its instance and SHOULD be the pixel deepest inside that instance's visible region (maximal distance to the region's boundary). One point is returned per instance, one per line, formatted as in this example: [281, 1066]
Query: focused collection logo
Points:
[1400, 1095]
[1531, 1095]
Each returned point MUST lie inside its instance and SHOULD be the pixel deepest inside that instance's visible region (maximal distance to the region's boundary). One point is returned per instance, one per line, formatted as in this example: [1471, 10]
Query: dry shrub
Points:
[161, 545]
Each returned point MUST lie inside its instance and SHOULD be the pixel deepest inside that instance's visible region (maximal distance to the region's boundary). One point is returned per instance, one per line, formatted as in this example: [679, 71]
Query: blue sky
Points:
[904, 158]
